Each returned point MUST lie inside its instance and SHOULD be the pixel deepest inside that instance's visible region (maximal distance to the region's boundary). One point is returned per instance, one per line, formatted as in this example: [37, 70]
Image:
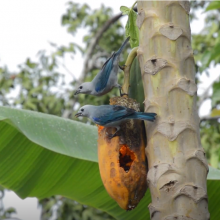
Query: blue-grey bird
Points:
[106, 79]
[112, 115]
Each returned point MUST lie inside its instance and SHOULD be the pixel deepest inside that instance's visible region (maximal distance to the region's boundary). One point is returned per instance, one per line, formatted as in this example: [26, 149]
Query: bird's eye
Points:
[80, 87]
[82, 110]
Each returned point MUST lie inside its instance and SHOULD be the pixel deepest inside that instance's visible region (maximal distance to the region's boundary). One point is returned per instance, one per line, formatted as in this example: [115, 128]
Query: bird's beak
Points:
[77, 92]
[78, 114]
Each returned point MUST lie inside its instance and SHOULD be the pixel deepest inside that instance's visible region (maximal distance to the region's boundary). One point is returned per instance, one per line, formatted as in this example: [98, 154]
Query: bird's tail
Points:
[145, 116]
[122, 46]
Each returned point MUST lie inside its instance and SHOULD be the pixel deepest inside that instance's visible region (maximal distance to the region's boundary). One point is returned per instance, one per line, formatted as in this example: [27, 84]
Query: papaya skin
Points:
[122, 160]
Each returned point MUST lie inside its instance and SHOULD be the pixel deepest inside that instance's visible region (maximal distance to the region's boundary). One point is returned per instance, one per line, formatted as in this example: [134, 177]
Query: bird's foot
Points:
[122, 94]
[120, 90]
[122, 67]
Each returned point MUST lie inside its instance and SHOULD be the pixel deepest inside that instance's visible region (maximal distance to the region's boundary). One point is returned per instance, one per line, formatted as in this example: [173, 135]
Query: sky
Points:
[26, 27]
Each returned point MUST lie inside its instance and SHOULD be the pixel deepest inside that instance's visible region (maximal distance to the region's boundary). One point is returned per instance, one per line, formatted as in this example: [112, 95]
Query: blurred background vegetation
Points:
[40, 86]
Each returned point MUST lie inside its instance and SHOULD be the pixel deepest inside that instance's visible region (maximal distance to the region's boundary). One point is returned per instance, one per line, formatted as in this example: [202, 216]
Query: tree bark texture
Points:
[176, 160]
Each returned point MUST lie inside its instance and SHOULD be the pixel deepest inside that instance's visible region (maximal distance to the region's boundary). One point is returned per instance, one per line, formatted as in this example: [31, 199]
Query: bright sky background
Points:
[26, 26]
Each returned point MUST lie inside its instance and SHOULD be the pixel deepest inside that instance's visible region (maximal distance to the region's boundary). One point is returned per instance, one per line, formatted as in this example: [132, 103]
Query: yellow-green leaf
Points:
[132, 29]
[215, 112]
[213, 5]
[125, 10]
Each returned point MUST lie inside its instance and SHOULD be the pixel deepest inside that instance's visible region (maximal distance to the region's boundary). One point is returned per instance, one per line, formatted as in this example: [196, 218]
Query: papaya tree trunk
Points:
[176, 160]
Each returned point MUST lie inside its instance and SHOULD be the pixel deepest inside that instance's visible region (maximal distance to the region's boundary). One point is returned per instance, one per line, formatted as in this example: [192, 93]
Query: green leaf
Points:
[216, 94]
[10, 210]
[215, 52]
[125, 10]
[213, 5]
[43, 155]
[206, 58]
[53, 132]
[132, 29]
[30, 64]
[136, 90]
[215, 112]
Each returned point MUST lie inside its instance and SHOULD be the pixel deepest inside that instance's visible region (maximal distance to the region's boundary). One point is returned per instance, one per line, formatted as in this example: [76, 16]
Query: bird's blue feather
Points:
[102, 80]
[108, 66]
[112, 113]
[143, 116]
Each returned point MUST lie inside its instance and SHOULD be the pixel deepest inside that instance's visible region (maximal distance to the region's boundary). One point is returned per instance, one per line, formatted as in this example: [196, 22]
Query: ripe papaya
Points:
[122, 160]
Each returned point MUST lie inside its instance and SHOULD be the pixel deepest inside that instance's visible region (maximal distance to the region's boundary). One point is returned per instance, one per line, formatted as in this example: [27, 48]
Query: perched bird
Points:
[106, 79]
[112, 115]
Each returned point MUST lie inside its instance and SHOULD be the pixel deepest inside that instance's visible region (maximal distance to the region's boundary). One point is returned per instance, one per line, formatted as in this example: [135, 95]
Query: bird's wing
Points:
[108, 60]
[112, 113]
[103, 75]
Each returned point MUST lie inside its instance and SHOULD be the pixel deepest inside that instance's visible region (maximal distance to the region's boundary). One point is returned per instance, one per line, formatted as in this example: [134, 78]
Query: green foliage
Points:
[136, 89]
[57, 163]
[131, 27]
[111, 40]
[216, 94]
[40, 86]
[74, 17]
[125, 10]
[81, 16]
[72, 210]
[210, 130]
[37, 81]
[35, 85]
[207, 44]
[213, 5]
[6, 84]
[57, 160]
[210, 139]
[206, 47]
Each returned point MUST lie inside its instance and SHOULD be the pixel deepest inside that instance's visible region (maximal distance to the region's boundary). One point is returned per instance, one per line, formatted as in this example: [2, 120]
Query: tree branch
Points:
[209, 118]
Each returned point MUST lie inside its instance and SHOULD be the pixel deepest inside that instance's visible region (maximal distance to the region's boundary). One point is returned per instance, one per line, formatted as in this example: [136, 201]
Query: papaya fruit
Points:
[122, 160]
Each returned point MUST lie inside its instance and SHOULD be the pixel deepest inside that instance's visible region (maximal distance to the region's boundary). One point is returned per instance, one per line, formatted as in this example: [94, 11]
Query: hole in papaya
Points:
[126, 157]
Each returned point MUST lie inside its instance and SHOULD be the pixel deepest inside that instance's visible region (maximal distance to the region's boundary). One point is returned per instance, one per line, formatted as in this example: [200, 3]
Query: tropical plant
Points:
[43, 155]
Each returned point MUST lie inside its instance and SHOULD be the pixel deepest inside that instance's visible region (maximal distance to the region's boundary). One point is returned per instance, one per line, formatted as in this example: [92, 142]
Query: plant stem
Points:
[128, 64]
[133, 5]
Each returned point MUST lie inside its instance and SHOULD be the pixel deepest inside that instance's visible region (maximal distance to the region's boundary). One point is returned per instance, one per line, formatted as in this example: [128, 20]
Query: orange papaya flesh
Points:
[122, 160]
[126, 157]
